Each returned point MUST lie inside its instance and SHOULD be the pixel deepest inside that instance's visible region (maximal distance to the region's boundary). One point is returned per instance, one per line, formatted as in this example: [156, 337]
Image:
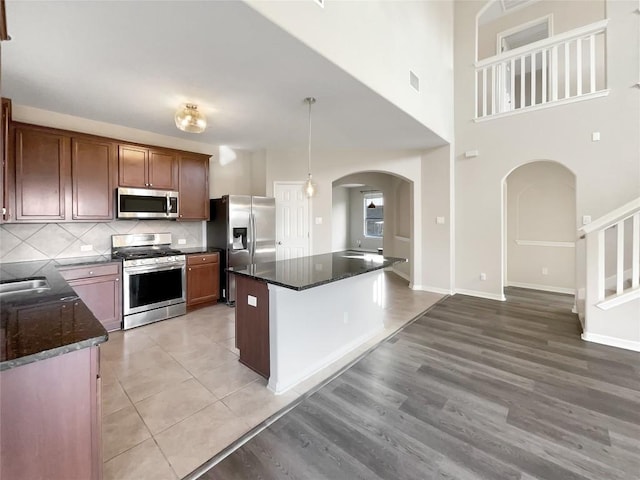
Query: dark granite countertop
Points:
[36, 325]
[308, 272]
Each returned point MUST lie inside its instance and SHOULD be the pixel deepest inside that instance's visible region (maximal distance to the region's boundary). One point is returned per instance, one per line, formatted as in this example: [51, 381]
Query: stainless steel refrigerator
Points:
[244, 227]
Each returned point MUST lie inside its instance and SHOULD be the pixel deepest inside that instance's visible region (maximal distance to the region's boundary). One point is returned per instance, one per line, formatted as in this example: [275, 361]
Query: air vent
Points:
[320, 2]
[414, 81]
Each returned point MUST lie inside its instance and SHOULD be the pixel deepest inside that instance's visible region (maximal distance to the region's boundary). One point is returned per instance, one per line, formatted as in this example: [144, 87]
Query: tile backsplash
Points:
[21, 242]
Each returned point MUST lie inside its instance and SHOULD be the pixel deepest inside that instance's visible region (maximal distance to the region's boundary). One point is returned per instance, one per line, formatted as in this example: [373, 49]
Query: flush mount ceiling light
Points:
[189, 119]
[309, 187]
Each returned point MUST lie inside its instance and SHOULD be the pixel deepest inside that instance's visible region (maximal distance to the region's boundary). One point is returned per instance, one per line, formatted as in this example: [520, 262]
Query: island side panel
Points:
[252, 324]
[312, 328]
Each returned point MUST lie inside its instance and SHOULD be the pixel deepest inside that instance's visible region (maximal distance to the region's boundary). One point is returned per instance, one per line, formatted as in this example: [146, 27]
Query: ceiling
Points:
[132, 63]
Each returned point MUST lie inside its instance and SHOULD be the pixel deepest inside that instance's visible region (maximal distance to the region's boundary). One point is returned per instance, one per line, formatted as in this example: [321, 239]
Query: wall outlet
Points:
[182, 241]
[586, 219]
[86, 248]
[318, 220]
[252, 301]
[483, 276]
[545, 271]
[440, 220]
[595, 137]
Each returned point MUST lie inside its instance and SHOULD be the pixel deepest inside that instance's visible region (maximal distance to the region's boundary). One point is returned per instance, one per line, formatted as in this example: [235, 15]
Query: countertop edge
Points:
[54, 352]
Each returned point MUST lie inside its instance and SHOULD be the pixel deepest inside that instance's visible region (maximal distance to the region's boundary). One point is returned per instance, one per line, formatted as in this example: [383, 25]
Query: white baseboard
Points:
[544, 288]
[612, 341]
[442, 291]
[476, 293]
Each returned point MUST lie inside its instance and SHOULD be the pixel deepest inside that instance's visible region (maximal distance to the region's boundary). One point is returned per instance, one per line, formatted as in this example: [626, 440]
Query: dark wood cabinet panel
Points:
[100, 289]
[203, 279]
[4, 148]
[43, 172]
[133, 166]
[163, 170]
[50, 424]
[94, 174]
[252, 324]
[194, 187]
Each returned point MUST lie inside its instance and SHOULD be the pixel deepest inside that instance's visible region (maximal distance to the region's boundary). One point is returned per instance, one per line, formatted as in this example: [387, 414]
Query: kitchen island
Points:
[294, 317]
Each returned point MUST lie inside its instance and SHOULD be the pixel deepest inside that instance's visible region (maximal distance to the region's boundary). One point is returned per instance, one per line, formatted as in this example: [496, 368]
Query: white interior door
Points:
[292, 220]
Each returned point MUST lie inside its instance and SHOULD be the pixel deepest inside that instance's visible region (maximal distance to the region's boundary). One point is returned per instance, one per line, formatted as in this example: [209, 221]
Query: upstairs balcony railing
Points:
[560, 69]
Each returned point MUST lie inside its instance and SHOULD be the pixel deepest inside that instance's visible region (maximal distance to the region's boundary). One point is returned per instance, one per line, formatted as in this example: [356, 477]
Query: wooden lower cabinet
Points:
[50, 418]
[252, 324]
[99, 287]
[203, 279]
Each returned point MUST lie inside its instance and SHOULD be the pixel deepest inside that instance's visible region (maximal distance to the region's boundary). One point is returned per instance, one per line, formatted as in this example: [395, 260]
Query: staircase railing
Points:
[620, 229]
[560, 69]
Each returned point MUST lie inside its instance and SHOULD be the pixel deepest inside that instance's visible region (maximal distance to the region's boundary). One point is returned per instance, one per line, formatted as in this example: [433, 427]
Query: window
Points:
[373, 215]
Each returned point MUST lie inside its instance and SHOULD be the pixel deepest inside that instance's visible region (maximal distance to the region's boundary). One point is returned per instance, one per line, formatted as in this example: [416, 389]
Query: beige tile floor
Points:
[174, 394]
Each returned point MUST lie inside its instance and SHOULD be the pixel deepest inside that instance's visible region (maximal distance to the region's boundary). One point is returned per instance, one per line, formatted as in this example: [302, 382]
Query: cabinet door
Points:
[202, 283]
[103, 296]
[42, 174]
[163, 170]
[132, 166]
[93, 173]
[194, 187]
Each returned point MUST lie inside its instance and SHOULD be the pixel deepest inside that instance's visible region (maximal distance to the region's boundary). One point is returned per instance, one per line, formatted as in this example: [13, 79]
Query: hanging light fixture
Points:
[309, 187]
[189, 119]
[371, 205]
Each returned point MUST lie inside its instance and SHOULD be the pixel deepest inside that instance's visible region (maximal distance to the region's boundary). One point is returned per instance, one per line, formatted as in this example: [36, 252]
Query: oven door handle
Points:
[149, 269]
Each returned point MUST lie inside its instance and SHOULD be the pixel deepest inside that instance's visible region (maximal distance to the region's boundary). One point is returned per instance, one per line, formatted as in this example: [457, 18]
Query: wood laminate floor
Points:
[474, 389]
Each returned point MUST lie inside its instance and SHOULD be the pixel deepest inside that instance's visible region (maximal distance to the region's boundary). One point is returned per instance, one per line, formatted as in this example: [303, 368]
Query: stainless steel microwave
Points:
[144, 203]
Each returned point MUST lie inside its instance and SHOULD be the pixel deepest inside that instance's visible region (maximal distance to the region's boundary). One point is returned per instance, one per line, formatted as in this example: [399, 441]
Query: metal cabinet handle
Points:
[90, 273]
[189, 268]
[151, 184]
[117, 279]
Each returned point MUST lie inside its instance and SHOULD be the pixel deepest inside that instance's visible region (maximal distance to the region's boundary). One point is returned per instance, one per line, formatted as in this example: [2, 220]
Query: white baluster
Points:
[567, 71]
[475, 107]
[533, 78]
[592, 62]
[620, 257]
[512, 85]
[635, 252]
[544, 76]
[600, 240]
[522, 78]
[554, 73]
[493, 89]
[578, 66]
[484, 92]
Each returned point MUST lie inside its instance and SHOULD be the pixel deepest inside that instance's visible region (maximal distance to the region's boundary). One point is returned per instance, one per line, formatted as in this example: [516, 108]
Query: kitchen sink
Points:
[22, 285]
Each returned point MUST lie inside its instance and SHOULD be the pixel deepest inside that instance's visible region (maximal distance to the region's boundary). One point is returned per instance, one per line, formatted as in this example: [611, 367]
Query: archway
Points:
[539, 227]
[349, 214]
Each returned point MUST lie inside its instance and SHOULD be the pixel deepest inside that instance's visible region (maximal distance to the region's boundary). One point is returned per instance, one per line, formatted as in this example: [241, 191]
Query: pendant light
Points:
[309, 187]
[371, 205]
[189, 119]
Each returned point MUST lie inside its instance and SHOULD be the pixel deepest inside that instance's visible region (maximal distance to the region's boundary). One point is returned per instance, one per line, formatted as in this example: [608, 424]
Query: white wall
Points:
[378, 42]
[541, 209]
[340, 219]
[607, 172]
[236, 172]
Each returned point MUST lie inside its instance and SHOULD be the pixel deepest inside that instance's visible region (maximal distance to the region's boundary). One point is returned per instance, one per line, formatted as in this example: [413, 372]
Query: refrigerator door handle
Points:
[252, 226]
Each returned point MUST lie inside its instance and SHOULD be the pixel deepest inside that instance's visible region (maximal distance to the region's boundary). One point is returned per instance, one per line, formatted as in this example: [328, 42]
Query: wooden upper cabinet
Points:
[142, 167]
[163, 170]
[94, 173]
[4, 148]
[194, 187]
[42, 174]
[133, 166]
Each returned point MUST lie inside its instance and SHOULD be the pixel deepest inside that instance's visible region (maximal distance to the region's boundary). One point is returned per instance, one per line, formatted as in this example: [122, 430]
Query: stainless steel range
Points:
[154, 277]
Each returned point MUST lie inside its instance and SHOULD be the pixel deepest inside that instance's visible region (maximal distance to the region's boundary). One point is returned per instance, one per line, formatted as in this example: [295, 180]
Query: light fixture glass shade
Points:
[309, 187]
[189, 119]
[371, 205]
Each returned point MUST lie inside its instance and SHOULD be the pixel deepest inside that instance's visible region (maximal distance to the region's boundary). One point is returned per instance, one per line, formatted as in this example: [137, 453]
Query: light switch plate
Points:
[86, 248]
[440, 220]
[318, 220]
[182, 241]
[586, 219]
[252, 301]
[595, 137]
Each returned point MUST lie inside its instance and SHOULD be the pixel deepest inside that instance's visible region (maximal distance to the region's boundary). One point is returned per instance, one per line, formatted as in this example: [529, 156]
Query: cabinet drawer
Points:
[199, 259]
[89, 271]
